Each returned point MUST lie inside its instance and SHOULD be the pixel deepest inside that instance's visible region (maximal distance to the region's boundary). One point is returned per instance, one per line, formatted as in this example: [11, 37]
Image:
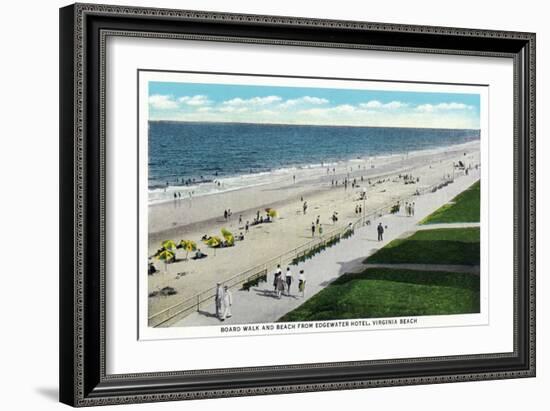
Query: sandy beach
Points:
[191, 218]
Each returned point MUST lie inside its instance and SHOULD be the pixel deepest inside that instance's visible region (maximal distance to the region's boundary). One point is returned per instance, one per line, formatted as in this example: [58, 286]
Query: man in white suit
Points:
[227, 303]
[219, 300]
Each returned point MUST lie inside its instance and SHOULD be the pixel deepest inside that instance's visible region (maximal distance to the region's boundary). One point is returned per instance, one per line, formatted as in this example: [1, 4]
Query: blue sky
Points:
[305, 105]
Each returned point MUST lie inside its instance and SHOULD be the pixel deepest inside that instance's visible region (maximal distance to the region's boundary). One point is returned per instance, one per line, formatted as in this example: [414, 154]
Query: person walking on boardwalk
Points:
[227, 303]
[276, 277]
[280, 286]
[380, 230]
[302, 283]
[219, 300]
[288, 278]
[312, 229]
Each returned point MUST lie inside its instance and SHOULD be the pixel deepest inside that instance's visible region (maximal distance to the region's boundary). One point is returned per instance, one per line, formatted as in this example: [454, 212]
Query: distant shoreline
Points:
[309, 125]
[306, 171]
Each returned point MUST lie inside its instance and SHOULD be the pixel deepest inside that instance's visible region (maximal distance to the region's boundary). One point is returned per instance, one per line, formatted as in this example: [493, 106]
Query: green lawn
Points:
[439, 246]
[386, 292]
[464, 208]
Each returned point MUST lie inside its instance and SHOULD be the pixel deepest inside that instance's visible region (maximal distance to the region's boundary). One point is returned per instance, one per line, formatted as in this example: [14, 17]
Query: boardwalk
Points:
[260, 304]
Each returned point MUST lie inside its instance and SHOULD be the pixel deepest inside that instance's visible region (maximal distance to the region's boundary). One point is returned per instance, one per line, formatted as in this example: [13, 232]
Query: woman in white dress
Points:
[302, 283]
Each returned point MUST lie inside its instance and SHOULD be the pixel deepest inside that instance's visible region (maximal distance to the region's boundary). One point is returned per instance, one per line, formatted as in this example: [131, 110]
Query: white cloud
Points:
[425, 108]
[198, 100]
[344, 108]
[254, 101]
[304, 100]
[168, 102]
[393, 105]
[375, 104]
[162, 102]
[430, 108]
[233, 109]
[372, 104]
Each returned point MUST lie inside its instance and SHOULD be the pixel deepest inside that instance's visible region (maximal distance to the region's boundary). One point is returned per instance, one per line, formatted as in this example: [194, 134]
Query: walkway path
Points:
[473, 269]
[446, 225]
[260, 304]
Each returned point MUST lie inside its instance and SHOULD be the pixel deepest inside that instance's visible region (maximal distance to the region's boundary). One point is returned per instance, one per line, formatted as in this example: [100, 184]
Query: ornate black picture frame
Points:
[83, 30]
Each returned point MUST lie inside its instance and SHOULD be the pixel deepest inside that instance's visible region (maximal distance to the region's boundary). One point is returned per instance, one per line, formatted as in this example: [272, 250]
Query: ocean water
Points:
[193, 157]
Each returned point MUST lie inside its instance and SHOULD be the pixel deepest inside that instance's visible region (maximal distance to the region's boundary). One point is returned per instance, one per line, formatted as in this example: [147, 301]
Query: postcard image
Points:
[288, 205]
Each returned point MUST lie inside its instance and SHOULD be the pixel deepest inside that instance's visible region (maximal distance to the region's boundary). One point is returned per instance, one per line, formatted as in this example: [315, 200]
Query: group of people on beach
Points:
[282, 283]
[177, 195]
[317, 226]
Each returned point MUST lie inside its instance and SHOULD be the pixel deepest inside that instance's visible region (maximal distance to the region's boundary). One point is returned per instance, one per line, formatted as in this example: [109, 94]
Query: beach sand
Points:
[192, 218]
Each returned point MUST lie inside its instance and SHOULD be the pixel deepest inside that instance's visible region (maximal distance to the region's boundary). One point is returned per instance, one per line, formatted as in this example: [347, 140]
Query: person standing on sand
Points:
[320, 230]
[288, 278]
[412, 209]
[225, 214]
[312, 229]
[380, 230]
[294, 179]
[305, 207]
[227, 303]
[240, 218]
[246, 227]
[219, 300]
[317, 220]
[302, 283]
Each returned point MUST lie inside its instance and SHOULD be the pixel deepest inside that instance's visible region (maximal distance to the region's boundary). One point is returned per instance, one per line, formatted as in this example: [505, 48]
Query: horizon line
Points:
[305, 125]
